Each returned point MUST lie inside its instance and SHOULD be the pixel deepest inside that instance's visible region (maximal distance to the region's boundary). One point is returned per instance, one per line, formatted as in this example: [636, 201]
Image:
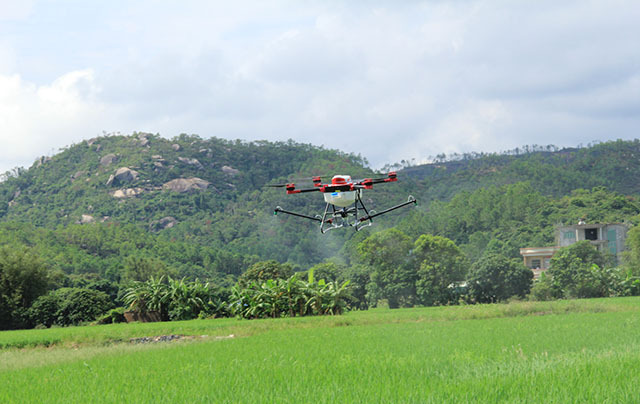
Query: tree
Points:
[393, 277]
[543, 289]
[69, 306]
[327, 270]
[186, 299]
[76, 306]
[141, 269]
[494, 278]
[441, 265]
[289, 297]
[44, 311]
[632, 253]
[175, 299]
[359, 277]
[23, 278]
[264, 270]
[579, 271]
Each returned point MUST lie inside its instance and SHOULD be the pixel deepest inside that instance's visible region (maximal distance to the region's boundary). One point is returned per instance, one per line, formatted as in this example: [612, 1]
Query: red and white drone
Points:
[344, 200]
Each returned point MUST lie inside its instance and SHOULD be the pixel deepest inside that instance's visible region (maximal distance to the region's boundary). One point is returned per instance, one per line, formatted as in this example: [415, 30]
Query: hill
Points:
[112, 204]
[614, 165]
[121, 207]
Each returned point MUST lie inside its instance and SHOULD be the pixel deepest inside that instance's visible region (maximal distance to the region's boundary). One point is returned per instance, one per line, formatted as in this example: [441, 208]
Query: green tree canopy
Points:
[264, 270]
[440, 265]
[393, 277]
[69, 306]
[23, 278]
[580, 270]
[494, 278]
[632, 254]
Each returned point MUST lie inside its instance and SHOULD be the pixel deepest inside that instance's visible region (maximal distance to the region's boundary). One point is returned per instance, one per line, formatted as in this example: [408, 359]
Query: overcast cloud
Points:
[390, 80]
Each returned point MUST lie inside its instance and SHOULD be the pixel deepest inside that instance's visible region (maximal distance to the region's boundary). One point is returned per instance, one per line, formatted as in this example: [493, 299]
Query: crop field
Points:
[581, 351]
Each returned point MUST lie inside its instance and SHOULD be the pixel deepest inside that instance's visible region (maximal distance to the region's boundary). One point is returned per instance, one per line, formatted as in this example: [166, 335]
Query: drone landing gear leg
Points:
[330, 221]
[359, 224]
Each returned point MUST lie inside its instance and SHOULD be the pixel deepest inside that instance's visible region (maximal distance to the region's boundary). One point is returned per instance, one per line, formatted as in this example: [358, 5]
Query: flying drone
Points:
[344, 201]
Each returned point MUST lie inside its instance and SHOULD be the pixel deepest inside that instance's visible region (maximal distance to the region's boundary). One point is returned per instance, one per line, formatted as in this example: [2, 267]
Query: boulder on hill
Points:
[230, 171]
[143, 139]
[126, 193]
[77, 175]
[123, 175]
[85, 219]
[190, 161]
[42, 160]
[108, 159]
[186, 184]
[164, 223]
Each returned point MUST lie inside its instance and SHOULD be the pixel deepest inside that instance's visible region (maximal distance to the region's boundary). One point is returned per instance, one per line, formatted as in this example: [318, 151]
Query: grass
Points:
[585, 351]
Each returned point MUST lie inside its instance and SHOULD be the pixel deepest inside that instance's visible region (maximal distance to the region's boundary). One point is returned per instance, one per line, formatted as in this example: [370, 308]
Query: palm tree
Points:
[337, 297]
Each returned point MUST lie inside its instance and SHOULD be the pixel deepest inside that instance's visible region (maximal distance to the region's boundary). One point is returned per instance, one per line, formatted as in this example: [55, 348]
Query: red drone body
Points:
[343, 196]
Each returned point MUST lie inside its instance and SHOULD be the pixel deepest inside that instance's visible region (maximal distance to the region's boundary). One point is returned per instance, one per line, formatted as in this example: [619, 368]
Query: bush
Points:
[543, 289]
[23, 278]
[44, 310]
[69, 306]
[262, 271]
[113, 316]
[496, 278]
[580, 271]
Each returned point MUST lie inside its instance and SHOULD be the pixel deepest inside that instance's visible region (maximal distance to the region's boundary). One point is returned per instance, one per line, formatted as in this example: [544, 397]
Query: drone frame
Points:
[335, 217]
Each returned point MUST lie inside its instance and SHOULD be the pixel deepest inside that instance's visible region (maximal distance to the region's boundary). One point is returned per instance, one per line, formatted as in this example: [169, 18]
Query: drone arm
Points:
[367, 183]
[300, 191]
[410, 200]
[278, 209]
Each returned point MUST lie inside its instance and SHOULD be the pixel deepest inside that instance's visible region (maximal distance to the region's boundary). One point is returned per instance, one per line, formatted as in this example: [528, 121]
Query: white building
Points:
[607, 238]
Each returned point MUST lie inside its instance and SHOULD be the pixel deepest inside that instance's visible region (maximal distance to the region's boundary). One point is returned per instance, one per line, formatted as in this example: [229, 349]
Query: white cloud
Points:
[391, 81]
[11, 10]
[37, 120]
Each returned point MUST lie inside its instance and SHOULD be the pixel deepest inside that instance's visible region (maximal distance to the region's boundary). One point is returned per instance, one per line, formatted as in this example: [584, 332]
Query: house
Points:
[608, 238]
[537, 258]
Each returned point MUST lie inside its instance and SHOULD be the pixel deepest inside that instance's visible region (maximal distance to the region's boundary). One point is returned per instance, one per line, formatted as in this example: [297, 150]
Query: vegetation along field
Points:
[431, 304]
[577, 351]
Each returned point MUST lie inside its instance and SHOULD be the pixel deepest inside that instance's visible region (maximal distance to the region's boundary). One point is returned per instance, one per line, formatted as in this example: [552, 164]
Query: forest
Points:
[85, 231]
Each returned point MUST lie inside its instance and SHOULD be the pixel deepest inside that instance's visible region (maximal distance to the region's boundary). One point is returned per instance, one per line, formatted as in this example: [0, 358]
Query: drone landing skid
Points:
[334, 218]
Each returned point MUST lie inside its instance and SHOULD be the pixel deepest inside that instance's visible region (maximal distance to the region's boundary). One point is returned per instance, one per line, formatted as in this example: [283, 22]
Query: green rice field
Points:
[580, 351]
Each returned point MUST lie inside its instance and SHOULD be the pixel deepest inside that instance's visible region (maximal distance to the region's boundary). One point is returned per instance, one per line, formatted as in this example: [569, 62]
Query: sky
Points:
[390, 80]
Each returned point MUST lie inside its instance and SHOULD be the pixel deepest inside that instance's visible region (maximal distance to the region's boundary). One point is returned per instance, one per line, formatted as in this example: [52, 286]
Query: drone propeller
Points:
[317, 181]
[312, 178]
[368, 182]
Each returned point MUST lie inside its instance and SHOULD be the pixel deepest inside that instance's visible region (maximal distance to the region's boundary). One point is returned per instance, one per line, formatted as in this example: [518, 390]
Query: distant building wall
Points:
[537, 258]
[607, 238]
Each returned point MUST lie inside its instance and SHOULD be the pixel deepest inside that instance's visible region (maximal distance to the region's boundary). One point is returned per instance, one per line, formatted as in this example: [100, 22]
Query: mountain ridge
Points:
[199, 206]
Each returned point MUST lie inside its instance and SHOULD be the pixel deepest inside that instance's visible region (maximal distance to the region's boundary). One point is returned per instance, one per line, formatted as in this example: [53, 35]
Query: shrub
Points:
[496, 278]
[113, 316]
[543, 289]
[69, 306]
[23, 278]
[263, 271]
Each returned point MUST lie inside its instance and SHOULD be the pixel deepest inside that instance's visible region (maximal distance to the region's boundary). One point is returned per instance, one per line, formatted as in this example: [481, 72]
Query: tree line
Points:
[391, 269]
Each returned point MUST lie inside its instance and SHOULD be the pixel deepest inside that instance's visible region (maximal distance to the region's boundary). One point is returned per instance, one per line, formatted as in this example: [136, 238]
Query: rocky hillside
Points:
[146, 177]
[121, 207]
[208, 195]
